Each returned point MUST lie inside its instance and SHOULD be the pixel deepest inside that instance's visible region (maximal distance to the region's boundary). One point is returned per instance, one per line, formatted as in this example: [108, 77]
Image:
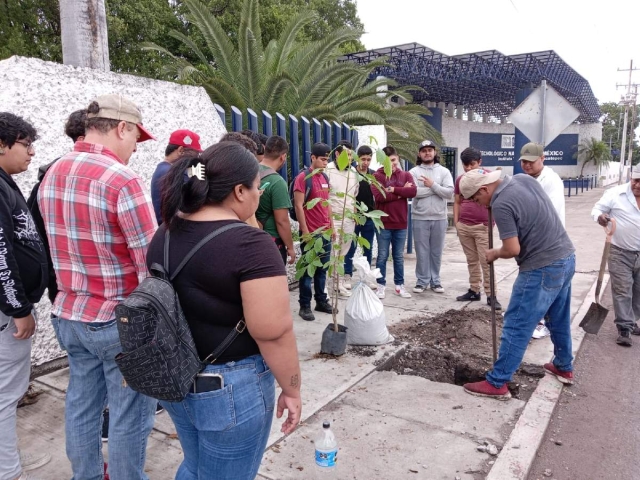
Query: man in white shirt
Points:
[623, 204]
[532, 162]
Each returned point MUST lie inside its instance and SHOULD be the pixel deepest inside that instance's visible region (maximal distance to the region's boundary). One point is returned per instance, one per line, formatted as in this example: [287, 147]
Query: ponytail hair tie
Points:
[197, 171]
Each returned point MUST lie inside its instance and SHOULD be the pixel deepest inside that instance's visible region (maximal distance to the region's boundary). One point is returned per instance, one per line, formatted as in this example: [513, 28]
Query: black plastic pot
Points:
[334, 343]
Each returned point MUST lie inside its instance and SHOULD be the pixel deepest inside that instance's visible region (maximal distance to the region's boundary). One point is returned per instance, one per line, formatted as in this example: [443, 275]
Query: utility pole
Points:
[632, 131]
[627, 99]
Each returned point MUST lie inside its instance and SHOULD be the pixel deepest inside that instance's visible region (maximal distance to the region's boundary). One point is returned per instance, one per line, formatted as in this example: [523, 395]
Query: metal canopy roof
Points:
[486, 82]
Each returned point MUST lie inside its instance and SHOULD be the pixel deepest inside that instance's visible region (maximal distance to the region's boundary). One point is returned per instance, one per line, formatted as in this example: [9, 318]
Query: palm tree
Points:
[593, 151]
[293, 78]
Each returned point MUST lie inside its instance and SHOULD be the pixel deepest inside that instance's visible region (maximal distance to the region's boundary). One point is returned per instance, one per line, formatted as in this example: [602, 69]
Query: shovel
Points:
[594, 318]
[492, 289]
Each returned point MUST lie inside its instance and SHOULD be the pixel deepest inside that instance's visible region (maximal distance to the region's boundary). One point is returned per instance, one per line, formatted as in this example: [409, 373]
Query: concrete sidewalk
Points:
[388, 426]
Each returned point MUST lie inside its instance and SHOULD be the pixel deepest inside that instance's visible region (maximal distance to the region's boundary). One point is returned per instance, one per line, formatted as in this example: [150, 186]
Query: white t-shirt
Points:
[553, 186]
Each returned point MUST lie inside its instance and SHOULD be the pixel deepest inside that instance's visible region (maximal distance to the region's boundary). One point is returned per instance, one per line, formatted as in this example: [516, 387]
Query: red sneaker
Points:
[485, 389]
[564, 377]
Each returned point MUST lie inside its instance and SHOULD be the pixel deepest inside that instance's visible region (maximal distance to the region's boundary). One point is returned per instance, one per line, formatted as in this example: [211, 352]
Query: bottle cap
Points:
[326, 424]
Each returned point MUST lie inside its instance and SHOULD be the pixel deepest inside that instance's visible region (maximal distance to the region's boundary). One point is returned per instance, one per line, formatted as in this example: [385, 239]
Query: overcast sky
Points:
[588, 35]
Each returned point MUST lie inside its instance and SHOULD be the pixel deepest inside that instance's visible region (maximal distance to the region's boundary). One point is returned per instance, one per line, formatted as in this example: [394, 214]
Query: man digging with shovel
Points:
[531, 232]
[623, 204]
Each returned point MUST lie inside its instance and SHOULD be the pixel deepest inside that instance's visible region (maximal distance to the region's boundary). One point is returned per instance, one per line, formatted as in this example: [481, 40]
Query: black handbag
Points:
[159, 357]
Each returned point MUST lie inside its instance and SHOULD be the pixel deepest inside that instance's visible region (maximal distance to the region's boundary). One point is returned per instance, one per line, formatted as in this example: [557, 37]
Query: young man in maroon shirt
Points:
[398, 188]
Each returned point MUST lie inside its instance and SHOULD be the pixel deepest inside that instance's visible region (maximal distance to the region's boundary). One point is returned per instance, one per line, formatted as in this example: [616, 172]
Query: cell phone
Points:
[208, 382]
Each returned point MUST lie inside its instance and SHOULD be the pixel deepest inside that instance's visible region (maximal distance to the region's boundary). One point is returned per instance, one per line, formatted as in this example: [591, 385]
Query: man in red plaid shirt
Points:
[99, 220]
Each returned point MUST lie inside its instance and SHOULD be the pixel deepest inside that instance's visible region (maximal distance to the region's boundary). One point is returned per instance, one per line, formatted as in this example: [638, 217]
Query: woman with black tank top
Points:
[224, 427]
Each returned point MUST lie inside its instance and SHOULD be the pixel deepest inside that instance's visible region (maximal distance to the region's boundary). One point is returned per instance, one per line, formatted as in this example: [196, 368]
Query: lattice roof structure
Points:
[486, 82]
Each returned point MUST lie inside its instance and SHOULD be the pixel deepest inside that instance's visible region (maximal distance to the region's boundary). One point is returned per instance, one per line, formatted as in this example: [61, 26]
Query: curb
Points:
[518, 454]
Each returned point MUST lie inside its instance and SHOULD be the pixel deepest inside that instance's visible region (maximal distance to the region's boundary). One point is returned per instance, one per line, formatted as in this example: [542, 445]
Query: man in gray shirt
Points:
[531, 232]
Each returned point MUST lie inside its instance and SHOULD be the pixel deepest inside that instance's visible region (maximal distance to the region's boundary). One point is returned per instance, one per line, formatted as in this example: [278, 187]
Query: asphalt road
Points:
[597, 420]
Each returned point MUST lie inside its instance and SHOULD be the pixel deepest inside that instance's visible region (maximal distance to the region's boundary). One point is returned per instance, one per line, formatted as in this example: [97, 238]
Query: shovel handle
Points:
[610, 231]
[605, 255]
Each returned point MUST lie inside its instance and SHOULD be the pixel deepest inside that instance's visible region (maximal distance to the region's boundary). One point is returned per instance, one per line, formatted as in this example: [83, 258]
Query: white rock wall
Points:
[45, 93]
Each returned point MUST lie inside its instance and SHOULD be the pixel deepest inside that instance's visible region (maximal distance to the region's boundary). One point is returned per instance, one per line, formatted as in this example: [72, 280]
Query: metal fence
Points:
[574, 184]
[301, 133]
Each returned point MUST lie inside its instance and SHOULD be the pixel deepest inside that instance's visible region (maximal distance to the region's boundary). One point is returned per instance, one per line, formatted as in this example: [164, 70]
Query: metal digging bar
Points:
[492, 288]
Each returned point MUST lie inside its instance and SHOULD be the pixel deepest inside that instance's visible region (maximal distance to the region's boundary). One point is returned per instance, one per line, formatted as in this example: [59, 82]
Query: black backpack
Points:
[308, 183]
[159, 357]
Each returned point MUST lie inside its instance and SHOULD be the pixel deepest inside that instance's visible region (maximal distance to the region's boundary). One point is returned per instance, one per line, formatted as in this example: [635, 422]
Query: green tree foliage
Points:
[593, 151]
[31, 28]
[612, 123]
[287, 76]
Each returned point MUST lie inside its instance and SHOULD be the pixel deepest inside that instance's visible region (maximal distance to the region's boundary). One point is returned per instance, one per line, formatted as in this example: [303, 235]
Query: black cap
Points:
[427, 143]
[320, 150]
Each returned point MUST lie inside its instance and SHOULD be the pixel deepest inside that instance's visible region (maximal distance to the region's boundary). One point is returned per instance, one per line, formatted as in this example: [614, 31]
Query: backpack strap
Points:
[228, 340]
[194, 250]
[267, 172]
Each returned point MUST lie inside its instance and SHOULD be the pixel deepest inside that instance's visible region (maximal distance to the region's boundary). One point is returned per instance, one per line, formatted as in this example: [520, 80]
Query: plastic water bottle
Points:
[326, 451]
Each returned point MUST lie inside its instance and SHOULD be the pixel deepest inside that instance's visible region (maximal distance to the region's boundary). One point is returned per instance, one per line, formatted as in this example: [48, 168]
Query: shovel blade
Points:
[594, 318]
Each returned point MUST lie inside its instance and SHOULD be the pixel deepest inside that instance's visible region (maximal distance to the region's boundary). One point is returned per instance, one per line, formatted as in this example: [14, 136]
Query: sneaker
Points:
[31, 461]
[541, 331]
[564, 377]
[325, 307]
[636, 330]
[485, 389]
[498, 306]
[347, 282]
[437, 288]
[380, 291]
[624, 339]
[402, 292]
[343, 292]
[105, 425]
[159, 409]
[419, 289]
[306, 314]
[470, 296]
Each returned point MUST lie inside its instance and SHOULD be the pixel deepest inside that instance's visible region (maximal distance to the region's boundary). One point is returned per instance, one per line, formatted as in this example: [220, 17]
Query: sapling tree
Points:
[313, 250]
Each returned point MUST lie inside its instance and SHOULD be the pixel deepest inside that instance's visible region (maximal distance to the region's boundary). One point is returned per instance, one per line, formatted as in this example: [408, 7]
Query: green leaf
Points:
[364, 242]
[312, 203]
[376, 214]
[311, 270]
[343, 159]
[318, 245]
[317, 262]
[341, 268]
[309, 256]
[385, 161]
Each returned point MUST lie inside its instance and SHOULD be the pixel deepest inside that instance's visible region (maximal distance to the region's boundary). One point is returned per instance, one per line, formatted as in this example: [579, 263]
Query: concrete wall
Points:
[46, 93]
[456, 134]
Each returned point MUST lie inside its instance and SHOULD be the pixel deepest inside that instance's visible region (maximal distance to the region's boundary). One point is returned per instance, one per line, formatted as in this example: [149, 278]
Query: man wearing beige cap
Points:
[531, 232]
[532, 162]
[623, 204]
[99, 221]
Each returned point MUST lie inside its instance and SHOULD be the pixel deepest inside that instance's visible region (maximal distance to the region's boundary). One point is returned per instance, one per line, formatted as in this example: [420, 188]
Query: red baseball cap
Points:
[186, 139]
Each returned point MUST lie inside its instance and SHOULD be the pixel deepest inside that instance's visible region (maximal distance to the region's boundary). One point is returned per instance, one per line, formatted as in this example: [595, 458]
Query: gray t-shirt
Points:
[522, 209]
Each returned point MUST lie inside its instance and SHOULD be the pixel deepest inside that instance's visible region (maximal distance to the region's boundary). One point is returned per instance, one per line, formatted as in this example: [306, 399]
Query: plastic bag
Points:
[364, 314]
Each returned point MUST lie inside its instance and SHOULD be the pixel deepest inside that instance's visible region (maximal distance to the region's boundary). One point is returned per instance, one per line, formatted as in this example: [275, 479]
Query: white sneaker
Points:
[437, 288]
[347, 282]
[343, 292]
[31, 461]
[380, 291]
[541, 331]
[402, 292]
[418, 289]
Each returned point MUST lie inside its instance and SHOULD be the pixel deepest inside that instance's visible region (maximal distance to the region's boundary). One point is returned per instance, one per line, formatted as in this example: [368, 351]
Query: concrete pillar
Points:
[460, 112]
[485, 118]
[470, 115]
[441, 106]
[451, 110]
[503, 120]
[84, 34]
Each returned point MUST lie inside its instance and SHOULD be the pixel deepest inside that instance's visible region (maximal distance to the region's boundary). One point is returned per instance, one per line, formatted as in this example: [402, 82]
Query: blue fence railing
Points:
[577, 185]
[300, 132]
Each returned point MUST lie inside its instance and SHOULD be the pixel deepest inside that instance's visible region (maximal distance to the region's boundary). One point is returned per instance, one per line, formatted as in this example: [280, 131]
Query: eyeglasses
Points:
[27, 145]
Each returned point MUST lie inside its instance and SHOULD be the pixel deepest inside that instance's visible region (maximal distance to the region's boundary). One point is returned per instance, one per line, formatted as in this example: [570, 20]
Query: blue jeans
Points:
[319, 280]
[366, 231]
[535, 293]
[396, 240]
[224, 432]
[94, 382]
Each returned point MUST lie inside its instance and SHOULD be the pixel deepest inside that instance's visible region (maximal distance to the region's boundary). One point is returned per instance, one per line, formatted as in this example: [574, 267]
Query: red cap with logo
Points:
[186, 139]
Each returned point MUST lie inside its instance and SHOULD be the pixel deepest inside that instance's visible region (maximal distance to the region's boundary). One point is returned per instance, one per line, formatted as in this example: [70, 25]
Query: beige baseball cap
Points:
[531, 152]
[117, 107]
[635, 173]
[471, 181]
